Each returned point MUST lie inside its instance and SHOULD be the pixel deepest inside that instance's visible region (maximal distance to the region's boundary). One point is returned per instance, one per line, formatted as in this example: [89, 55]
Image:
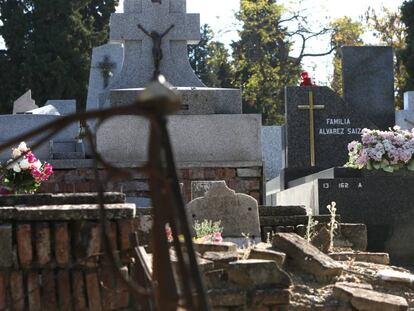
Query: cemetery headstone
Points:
[368, 82]
[24, 103]
[106, 63]
[319, 126]
[237, 212]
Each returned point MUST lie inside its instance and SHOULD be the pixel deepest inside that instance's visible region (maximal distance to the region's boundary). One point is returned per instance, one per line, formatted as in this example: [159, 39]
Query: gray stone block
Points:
[368, 82]
[272, 150]
[6, 246]
[195, 101]
[249, 172]
[209, 138]
[24, 103]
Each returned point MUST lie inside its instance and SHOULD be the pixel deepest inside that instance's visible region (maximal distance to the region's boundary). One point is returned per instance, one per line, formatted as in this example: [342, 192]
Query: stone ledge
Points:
[89, 163]
[66, 212]
[61, 199]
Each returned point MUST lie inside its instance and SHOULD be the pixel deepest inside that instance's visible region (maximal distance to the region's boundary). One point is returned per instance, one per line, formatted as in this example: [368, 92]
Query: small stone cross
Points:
[312, 107]
[106, 67]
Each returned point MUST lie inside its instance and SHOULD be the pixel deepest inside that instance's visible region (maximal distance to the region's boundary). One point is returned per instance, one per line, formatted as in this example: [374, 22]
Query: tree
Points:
[407, 54]
[389, 29]
[262, 64]
[210, 60]
[49, 45]
[344, 32]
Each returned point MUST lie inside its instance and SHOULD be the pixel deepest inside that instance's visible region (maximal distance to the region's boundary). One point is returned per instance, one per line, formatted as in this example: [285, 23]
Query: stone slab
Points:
[67, 212]
[365, 299]
[273, 150]
[12, 126]
[257, 273]
[60, 199]
[195, 100]
[214, 247]
[63, 106]
[221, 204]
[306, 256]
[282, 210]
[209, 138]
[268, 254]
[24, 103]
[335, 126]
[6, 246]
[200, 188]
[368, 82]
[378, 258]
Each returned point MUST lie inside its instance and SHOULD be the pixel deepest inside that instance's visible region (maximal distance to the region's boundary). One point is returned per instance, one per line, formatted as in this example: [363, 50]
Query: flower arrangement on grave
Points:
[208, 231]
[23, 173]
[305, 79]
[383, 150]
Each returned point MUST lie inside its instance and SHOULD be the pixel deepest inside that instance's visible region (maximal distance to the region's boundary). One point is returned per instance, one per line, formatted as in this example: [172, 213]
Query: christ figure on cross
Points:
[156, 47]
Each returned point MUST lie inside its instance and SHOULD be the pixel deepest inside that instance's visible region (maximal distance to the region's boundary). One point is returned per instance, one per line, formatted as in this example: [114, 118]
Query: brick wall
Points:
[246, 180]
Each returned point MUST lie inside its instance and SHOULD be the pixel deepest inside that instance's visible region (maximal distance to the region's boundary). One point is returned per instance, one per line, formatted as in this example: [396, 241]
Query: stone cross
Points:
[155, 16]
[106, 67]
[311, 107]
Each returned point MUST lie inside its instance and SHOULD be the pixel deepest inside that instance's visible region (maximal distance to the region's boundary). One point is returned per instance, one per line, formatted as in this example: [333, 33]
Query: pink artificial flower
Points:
[37, 175]
[218, 237]
[168, 231]
[30, 157]
[47, 169]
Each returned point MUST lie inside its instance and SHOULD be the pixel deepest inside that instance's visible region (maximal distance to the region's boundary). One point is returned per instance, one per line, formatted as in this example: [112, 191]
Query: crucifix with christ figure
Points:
[311, 107]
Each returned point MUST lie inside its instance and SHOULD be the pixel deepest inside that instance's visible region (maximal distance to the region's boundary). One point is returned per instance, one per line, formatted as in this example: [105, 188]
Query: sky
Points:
[219, 14]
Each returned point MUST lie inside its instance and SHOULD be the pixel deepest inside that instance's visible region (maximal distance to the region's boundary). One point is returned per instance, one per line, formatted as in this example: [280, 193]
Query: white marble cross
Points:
[138, 64]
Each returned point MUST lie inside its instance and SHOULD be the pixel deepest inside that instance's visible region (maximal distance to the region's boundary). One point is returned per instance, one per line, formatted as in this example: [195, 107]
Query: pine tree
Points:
[261, 59]
[49, 44]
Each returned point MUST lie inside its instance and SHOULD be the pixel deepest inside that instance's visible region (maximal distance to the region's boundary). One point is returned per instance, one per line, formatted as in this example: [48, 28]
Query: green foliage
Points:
[389, 29]
[49, 45]
[207, 228]
[261, 58]
[344, 32]
[407, 54]
[210, 60]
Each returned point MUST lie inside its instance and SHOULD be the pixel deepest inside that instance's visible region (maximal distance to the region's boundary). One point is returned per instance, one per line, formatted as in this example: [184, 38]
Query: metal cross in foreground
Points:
[106, 67]
[311, 107]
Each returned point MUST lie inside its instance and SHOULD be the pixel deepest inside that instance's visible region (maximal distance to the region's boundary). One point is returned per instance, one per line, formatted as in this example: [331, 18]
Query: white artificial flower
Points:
[37, 164]
[17, 168]
[16, 153]
[22, 147]
[24, 164]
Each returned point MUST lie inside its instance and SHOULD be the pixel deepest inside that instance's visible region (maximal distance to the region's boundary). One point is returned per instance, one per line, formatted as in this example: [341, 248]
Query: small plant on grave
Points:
[383, 150]
[333, 223]
[208, 231]
[310, 227]
[23, 173]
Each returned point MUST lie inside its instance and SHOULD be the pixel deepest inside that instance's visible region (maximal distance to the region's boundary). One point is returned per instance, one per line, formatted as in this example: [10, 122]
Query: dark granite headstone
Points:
[368, 82]
[335, 125]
